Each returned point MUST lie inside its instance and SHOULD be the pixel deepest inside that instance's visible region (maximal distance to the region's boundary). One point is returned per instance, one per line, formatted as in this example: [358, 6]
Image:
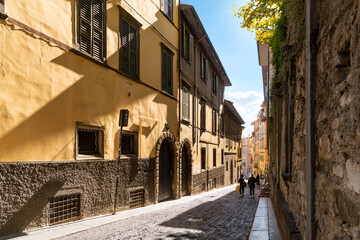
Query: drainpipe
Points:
[310, 71]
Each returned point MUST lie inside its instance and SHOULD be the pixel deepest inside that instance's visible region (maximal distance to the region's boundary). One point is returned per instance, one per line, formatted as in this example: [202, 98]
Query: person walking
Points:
[242, 184]
[258, 181]
[251, 184]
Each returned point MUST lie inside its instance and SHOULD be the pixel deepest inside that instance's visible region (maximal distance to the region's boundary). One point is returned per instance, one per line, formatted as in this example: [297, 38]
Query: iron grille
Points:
[137, 198]
[64, 208]
[88, 141]
[203, 187]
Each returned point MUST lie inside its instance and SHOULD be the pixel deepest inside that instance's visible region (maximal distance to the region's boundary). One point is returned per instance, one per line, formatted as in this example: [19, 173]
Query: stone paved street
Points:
[219, 214]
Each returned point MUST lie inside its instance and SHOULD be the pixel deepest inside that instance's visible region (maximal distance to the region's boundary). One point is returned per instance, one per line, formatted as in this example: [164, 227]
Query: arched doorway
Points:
[185, 170]
[166, 170]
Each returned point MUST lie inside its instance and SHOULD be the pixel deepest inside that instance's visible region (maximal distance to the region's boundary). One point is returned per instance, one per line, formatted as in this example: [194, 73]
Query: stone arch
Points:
[186, 143]
[171, 139]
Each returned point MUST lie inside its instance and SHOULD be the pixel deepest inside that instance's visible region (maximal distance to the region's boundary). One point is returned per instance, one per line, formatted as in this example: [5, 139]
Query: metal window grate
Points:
[64, 208]
[88, 141]
[137, 198]
[203, 187]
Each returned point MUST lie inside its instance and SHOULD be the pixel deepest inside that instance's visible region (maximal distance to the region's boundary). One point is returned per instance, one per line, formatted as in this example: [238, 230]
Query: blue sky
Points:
[237, 50]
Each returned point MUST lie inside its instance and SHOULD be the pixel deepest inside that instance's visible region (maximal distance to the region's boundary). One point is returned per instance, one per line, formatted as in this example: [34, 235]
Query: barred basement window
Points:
[91, 27]
[137, 198]
[89, 141]
[64, 208]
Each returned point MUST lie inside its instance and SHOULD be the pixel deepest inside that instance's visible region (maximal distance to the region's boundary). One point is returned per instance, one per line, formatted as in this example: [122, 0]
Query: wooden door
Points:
[165, 171]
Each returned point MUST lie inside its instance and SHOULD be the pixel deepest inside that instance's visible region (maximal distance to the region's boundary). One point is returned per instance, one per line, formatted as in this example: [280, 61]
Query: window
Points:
[222, 126]
[227, 166]
[90, 141]
[214, 157]
[222, 156]
[186, 104]
[215, 84]
[203, 158]
[167, 8]
[204, 67]
[2, 6]
[214, 120]
[129, 49]
[166, 70]
[129, 143]
[203, 115]
[91, 30]
[188, 45]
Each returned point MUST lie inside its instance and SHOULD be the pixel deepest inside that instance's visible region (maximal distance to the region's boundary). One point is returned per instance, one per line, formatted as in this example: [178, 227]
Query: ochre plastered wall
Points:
[46, 89]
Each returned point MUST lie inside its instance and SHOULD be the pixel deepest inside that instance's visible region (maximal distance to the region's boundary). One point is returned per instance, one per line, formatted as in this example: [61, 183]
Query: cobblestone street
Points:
[218, 214]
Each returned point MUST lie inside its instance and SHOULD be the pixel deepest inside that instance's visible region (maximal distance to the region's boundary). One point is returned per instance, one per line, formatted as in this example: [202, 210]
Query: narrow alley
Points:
[218, 214]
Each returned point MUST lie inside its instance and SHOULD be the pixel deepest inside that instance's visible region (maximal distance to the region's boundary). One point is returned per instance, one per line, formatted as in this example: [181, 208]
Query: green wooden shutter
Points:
[85, 26]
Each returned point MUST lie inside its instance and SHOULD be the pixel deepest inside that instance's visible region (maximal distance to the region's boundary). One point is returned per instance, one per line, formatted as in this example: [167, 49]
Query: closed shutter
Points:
[166, 76]
[124, 59]
[91, 25]
[202, 116]
[202, 65]
[169, 69]
[206, 69]
[183, 40]
[129, 49]
[191, 47]
[85, 26]
[98, 21]
[186, 107]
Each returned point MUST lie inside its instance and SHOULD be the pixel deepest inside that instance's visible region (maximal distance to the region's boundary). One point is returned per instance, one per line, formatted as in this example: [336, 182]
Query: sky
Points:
[237, 51]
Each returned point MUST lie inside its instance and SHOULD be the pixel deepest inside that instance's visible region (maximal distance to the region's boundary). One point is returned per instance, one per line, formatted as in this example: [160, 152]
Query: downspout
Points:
[310, 71]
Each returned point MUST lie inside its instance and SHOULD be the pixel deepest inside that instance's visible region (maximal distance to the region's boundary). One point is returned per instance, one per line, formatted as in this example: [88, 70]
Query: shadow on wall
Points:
[32, 209]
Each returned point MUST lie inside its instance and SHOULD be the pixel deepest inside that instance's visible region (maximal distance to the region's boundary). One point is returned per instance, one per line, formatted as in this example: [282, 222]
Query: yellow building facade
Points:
[67, 68]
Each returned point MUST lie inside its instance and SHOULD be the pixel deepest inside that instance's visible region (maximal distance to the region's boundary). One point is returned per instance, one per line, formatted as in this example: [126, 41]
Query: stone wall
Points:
[200, 182]
[27, 188]
[337, 200]
[337, 118]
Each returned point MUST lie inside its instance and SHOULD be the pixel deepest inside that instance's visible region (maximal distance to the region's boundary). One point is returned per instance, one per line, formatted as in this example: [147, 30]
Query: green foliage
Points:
[260, 16]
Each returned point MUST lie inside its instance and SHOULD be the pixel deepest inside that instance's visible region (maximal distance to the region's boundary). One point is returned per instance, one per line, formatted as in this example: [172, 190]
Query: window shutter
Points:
[183, 40]
[98, 20]
[169, 69]
[85, 26]
[133, 52]
[206, 69]
[163, 72]
[202, 65]
[125, 29]
[191, 47]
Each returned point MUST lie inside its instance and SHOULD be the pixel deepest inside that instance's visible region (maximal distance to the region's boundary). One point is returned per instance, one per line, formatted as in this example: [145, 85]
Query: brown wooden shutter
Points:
[133, 52]
[85, 26]
[169, 69]
[163, 71]
[183, 40]
[206, 69]
[202, 67]
[125, 48]
[98, 21]
[191, 48]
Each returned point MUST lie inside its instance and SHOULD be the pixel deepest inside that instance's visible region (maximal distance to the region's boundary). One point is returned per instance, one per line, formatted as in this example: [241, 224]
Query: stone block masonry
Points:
[29, 186]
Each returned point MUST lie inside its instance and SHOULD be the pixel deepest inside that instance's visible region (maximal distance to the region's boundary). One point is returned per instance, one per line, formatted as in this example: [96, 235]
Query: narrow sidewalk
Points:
[265, 226]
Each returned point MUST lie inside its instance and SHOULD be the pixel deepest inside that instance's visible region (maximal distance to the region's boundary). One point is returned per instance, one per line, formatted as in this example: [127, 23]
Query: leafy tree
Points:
[260, 16]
